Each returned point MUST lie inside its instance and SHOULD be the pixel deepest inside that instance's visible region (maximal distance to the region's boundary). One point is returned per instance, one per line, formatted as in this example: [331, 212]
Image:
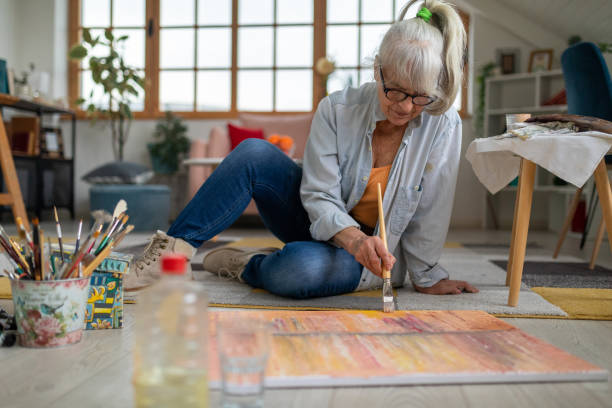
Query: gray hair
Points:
[427, 55]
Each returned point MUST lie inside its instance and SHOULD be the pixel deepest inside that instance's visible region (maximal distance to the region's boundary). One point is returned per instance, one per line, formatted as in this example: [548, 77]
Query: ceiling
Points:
[590, 19]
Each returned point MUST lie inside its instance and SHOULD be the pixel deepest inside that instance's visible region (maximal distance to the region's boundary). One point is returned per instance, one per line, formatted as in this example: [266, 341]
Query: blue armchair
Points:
[589, 93]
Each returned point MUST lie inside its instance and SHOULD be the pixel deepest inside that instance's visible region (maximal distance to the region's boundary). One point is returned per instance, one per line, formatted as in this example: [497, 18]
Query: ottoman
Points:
[148, 204]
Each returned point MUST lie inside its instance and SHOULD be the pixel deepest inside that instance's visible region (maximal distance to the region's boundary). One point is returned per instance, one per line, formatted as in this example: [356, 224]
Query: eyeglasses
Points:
[397, 95]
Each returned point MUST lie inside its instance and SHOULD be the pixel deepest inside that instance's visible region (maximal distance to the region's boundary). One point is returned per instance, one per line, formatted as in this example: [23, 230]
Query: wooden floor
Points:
[97, 372]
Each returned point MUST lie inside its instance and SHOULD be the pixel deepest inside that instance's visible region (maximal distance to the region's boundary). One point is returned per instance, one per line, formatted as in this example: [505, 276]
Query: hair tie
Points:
[425, 14]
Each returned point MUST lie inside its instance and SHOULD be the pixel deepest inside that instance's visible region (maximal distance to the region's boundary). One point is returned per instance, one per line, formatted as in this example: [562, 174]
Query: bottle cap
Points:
[173, 264]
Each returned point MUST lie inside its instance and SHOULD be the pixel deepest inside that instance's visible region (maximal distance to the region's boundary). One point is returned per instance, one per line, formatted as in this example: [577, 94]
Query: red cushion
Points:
[237, 134]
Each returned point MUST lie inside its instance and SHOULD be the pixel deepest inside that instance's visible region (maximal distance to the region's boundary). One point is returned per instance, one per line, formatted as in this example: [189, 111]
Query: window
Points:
[215, 58]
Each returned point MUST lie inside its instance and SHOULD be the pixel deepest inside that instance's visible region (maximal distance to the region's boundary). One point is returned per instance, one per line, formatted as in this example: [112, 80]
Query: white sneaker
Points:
[146, 269]
[229, 262]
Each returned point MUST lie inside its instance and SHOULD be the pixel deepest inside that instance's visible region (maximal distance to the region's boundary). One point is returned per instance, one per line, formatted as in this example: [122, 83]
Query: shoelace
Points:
[150, 254]
[232, 269]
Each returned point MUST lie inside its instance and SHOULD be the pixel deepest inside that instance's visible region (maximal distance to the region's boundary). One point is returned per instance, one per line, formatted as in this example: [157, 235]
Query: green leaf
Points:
[79, 101]
[123, 38]
[78, 52]
[108, 34]
[87, 36]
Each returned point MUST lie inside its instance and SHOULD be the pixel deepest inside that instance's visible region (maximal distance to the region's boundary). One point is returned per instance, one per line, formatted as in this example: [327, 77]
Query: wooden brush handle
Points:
[381, 226]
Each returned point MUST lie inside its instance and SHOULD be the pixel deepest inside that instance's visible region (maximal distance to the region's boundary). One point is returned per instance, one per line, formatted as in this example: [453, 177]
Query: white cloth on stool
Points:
[570, 156]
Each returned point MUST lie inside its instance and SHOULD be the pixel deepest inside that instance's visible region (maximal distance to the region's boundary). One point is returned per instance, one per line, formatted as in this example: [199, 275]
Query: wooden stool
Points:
[13, 195]
[522, 212]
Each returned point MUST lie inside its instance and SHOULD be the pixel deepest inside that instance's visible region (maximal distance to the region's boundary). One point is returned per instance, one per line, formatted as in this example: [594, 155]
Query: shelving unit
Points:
[524, 93]
[44, 173]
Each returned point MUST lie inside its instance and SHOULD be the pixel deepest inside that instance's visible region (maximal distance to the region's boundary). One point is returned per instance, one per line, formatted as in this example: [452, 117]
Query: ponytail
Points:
[445, 19]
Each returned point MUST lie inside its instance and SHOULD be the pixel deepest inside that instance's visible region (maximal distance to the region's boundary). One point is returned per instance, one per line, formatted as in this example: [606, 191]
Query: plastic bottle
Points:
[171, 341]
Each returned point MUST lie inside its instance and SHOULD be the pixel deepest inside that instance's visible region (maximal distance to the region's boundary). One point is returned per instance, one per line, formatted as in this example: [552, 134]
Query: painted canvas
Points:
[355, 348]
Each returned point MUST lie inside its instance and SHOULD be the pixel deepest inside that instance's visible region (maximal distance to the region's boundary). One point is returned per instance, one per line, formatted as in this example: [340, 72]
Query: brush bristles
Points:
[388, 307]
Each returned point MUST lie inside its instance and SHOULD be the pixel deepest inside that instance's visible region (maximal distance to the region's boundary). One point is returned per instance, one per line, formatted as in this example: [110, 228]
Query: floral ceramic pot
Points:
[50, 313]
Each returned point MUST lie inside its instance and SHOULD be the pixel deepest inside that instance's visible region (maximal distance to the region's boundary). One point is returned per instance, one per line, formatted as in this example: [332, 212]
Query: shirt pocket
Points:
[404, 207]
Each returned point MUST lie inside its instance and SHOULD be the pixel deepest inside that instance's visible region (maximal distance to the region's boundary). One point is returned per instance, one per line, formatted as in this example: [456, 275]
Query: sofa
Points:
[218, 145]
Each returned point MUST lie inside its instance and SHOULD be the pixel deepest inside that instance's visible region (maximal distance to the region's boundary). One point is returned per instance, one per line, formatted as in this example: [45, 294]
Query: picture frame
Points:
[540, 60]
[508, 60]
[51, 143]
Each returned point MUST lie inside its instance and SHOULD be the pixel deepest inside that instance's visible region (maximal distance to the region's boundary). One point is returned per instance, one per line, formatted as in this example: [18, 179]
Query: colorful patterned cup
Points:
[50, 313]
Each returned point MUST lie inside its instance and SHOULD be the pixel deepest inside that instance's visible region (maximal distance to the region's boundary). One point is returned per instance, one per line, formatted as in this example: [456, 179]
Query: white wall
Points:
[7, 31]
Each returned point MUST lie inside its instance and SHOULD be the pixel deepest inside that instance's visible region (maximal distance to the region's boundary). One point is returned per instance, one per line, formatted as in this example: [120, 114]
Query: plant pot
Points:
[160, 167]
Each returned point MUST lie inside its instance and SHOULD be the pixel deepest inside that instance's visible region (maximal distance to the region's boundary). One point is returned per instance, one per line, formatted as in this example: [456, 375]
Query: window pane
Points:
[129, 13]
[177, 12]
[294, 90]
[340, 79]
[371, 36]
[366, 75]
[133, 51]
[294, 47]
[98, 50]
[342, 11]
[176, 90]
[96, 13]
[255, 11]
[215, 12]
[342, 45]
[87, 85]
[255, 47]
[411, 13]
[214, 90]
[215, 47]
[294, 11]
[254, 90]
[176, 48]
[377, 10]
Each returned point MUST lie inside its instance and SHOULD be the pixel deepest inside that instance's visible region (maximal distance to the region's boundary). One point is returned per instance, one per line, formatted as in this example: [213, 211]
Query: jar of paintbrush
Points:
[50, 290]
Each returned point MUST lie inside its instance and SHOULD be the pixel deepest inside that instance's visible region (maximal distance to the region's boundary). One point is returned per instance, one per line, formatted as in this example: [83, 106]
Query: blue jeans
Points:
[257, 170]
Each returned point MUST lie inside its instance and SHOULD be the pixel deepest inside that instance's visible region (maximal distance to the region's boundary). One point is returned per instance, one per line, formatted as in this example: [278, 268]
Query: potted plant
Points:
[173, 144]
[119, 82]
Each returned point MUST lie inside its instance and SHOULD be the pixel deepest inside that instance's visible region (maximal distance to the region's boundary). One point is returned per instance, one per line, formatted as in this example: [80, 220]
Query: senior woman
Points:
[400, 130]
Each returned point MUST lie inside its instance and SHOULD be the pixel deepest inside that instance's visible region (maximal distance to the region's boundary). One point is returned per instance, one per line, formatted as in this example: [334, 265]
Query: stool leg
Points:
[605, 196]
[526, 181]
[513, 236]
[598, 240]
[568, 221]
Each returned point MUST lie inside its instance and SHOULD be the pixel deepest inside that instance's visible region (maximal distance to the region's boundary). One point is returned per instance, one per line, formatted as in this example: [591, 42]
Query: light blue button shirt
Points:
[419, 195]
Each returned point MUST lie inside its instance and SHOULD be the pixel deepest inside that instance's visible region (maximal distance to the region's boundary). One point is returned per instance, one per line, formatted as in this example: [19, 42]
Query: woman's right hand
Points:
[368, 251]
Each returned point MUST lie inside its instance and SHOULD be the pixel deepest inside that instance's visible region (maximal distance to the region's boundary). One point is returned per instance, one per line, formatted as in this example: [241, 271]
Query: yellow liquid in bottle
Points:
[175, 388]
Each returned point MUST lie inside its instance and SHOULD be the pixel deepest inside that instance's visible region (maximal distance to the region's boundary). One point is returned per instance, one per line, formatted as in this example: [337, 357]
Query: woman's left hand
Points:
[448, 287]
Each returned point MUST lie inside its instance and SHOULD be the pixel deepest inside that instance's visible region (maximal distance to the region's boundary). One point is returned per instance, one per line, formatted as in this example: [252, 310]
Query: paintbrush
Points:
[95, 238]
[58, 227]
[119, 211]
[8, 248]
[12, 249]
[24, 231]
[111, 233]
[44, 267]
[387, 291]
[78, 238]
[36, 240]
[122, 235]
[68, 268]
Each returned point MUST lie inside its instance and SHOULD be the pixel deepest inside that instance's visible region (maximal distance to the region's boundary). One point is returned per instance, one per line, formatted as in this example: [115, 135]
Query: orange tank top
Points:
[366, 210]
